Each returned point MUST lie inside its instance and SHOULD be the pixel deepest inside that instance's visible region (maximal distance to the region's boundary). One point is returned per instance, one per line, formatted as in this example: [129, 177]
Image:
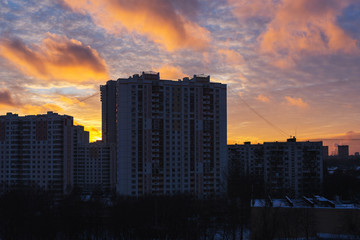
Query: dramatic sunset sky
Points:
[292, 66]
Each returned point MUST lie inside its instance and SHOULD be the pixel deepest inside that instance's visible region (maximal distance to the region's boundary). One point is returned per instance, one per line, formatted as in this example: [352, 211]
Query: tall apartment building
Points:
[94, 170]
[287, 168]
[101, 167]
[37, 150]
[81, 156]
[108, 99]
[170, 135]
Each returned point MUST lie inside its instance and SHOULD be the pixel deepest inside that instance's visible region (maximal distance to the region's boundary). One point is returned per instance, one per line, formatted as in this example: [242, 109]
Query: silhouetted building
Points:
[38, 151]
[81, 155]
[93, 164]
[171, 135]
[343, 151]
[101, 169]
[248, 159]
[108, 109]
[325, 151]
[291, 168]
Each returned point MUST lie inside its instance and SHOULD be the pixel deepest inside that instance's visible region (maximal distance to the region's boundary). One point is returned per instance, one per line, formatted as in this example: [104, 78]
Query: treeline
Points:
[33, 214]
[344, 181]
[30, 213]
[345, 185]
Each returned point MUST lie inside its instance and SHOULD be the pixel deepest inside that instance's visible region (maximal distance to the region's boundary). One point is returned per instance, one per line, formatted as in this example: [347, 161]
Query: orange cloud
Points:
[38, 109]
[262, 98]
[284, 62]
[170, 72]
[301, 26]
[95, 134]
[307, 25]
[231, 57]
[159, 20]
[71, 101]
[296, 102]
[56, 58]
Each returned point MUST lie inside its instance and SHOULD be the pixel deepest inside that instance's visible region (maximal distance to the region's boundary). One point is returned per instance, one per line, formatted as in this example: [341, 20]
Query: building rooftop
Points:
[304, 202]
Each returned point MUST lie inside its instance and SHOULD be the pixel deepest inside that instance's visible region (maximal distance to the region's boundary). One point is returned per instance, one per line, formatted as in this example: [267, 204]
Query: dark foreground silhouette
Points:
[32, 214]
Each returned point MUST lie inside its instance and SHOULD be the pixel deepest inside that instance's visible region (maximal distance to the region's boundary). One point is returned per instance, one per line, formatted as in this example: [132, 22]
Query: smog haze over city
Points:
[291, 67]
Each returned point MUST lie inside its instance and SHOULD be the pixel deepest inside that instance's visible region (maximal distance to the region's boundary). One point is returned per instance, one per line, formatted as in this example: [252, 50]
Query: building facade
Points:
[108, 109]
[94, 164]
[101, 168]
[286, 168]
[37, 151]
[81, 157]
[170, 135]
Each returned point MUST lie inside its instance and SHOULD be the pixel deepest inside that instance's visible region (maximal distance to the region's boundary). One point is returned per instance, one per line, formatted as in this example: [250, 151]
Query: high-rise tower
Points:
[108, 99]
[170, 135]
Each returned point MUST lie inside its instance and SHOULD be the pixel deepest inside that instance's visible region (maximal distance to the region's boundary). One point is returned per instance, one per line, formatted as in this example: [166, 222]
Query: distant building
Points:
[39, 151]
[94, 170]
[325, 151]
[170, 135]
[343, 151]
[285, 168]
[101, 168]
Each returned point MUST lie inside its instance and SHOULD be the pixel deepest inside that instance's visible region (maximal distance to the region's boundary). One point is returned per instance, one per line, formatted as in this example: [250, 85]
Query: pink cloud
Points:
[262, 98]
[298, 102]
[298, 27]
[231, 57]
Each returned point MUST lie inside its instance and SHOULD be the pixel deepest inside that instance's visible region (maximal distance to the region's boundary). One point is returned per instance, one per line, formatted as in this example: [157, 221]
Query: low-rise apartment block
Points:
[285, 168]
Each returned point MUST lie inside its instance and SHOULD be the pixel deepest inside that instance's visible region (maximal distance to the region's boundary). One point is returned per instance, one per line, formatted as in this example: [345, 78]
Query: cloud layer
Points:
[57, 58]
[298, 27]
[162, 21]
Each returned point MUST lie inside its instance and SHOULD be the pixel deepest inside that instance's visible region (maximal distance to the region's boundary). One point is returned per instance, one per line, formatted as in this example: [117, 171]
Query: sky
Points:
[292, 68]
